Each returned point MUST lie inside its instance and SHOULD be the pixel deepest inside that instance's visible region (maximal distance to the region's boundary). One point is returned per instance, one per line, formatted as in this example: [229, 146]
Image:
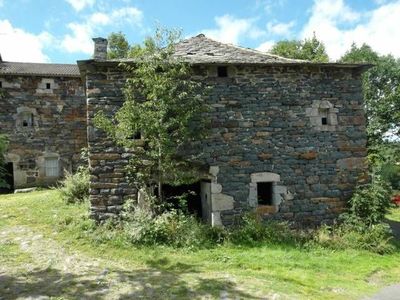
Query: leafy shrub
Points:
[251, 229]
[354, 234]
[75, 187]
[170, 227]
[391, 174]
[371, 202]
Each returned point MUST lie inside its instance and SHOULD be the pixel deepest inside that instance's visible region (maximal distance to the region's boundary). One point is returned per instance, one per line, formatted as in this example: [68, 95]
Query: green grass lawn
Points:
[243, 272]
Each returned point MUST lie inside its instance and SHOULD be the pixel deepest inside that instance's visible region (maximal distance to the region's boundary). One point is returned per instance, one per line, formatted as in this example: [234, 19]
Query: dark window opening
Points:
[9, 178]
[1, 84]
[172, 195]
[48, 86]
[25, 123]
[324, 121]
[222, 71]
[264, 193]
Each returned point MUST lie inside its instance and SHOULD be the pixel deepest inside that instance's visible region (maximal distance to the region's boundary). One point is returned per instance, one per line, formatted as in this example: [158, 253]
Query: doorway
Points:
[198, 198]
[9, 178]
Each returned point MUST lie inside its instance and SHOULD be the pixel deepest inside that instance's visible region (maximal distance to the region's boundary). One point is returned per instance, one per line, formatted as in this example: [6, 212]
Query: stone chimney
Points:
[100, 48]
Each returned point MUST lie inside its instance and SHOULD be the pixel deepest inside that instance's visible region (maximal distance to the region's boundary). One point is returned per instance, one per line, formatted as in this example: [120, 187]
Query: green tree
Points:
[3, 172]
[118, 46]
[381, 86]
[165, 105]
[308, 49]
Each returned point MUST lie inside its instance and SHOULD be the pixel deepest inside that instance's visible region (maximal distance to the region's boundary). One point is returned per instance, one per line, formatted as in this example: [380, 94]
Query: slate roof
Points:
[38, 69]
[201, 49]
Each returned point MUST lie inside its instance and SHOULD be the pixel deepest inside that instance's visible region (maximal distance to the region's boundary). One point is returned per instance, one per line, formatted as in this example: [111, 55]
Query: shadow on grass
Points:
[153, 283]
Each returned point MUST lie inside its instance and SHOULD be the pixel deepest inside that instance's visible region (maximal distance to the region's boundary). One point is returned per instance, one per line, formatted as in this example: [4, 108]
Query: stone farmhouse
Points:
[43, 112]
[287, 139]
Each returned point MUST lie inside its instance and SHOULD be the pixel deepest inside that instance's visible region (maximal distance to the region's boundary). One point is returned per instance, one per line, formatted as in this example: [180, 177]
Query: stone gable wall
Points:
[265, 124]
[56, 129]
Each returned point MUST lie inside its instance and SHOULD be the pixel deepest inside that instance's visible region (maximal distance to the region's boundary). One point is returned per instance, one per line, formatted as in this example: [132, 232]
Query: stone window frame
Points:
[41, 162]
[21, 116]
[320, 110]
[43, 86]
[50, 170]
[279, 192]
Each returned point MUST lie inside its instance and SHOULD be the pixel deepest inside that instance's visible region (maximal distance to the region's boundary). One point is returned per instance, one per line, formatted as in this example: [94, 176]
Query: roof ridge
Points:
[203, 36]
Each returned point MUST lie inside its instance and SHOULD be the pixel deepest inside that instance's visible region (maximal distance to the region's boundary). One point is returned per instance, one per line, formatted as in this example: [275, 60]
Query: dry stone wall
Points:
[305, 125]
[45, 120]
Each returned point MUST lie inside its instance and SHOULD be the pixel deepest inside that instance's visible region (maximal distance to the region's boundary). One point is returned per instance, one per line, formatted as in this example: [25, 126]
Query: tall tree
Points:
[307, 49]
[118, 46]
[164, 104]
[381, 86]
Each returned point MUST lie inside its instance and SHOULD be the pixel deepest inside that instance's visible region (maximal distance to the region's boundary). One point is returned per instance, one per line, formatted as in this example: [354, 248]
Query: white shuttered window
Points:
[51, 165]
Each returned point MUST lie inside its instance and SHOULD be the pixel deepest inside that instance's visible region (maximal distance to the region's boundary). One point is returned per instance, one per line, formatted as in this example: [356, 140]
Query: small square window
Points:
[324, 121]
[48, 86]
[222, 71]
[264, 193]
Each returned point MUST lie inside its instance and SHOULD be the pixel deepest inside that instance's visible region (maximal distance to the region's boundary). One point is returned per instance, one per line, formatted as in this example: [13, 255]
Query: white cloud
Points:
[283, 29]
[80, 38]
[378, 28]
[78, 5]
[19, 45]
[266, 46]
[231, 29]
[269, 5]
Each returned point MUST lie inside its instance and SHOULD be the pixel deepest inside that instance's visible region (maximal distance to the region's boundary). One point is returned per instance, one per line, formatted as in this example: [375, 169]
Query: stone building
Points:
[287, 139]
[43, 113]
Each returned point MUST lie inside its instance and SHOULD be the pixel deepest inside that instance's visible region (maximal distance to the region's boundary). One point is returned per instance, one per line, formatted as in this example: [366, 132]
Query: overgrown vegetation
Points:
[3, 172]
[75, 186]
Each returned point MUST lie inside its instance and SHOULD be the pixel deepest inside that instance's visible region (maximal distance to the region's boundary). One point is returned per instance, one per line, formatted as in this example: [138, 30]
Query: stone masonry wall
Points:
[109, 186]
[44, 118]
[266, 125]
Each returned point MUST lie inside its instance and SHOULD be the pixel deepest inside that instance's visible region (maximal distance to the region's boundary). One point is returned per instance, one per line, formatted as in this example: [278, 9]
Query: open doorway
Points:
[192, 194]
[198, 197]
[9, 178]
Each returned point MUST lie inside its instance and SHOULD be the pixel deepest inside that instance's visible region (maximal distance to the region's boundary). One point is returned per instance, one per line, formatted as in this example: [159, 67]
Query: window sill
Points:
[266, 209]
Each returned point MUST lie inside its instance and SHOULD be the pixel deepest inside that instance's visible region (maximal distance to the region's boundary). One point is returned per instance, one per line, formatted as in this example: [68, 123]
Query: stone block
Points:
[351, 163]
[222, 202]
[264, 156]
[310, 155]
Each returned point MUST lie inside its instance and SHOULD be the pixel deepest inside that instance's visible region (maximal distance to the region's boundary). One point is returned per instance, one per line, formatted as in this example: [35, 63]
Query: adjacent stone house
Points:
[43, 112]
[287, 139]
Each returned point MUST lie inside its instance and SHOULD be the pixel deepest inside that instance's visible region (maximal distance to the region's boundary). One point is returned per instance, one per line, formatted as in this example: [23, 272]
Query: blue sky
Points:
[61, 30]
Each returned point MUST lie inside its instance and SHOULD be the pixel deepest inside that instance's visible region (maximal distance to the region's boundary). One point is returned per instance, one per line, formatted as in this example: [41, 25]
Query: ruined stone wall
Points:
[45, 120]
[301, 128]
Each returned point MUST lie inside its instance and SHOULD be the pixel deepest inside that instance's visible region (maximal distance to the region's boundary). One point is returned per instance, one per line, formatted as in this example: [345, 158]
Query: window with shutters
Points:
[52, 167]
